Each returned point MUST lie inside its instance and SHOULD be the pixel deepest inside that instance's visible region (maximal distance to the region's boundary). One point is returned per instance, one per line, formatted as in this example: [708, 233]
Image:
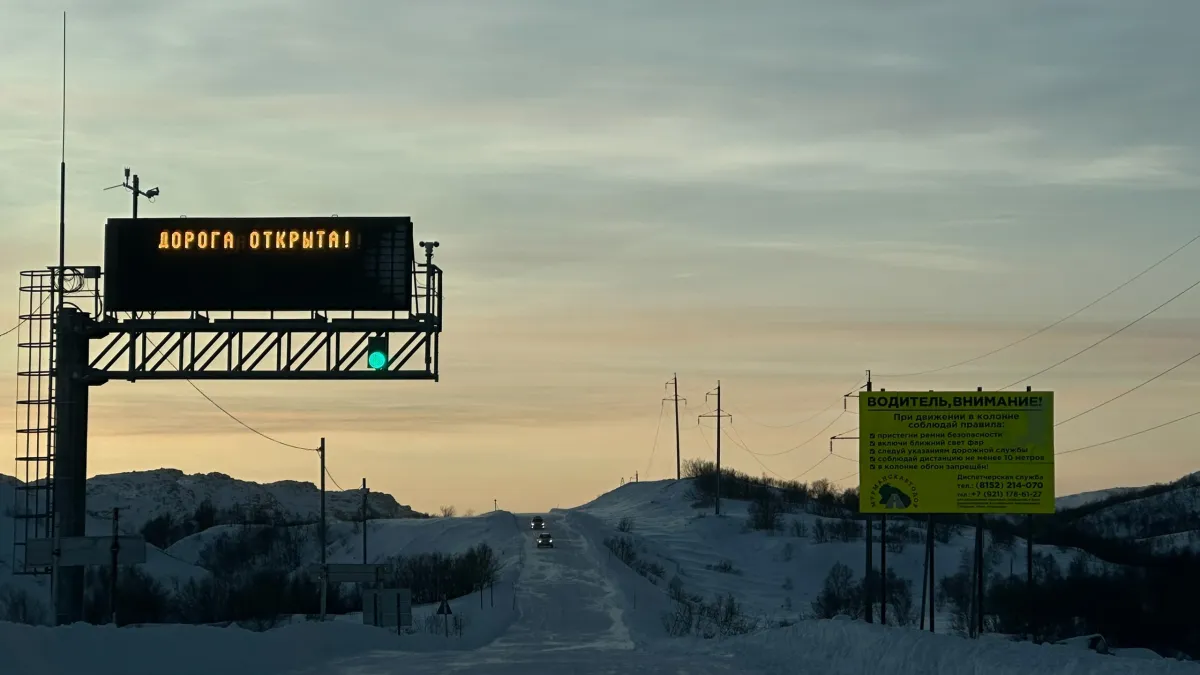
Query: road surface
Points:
[570, 621]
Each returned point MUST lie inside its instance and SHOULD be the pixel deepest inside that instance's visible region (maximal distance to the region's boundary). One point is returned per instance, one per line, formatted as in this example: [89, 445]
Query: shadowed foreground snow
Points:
[341, 648]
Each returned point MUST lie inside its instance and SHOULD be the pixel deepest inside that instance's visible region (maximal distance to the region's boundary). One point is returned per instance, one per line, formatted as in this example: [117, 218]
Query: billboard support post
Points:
[883, 591]
[931, 536]
[868, 591]
[980, 572]
[1029, 583]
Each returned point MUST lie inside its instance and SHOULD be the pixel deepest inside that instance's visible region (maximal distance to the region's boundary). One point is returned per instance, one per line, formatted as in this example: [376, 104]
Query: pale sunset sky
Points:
[779, 194]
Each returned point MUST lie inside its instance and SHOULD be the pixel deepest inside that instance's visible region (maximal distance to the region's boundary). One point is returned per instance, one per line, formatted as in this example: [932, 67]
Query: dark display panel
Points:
[258, 264]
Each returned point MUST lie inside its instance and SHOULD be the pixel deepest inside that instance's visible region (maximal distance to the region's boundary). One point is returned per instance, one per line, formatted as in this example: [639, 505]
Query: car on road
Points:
[537, 523]
[545, 540]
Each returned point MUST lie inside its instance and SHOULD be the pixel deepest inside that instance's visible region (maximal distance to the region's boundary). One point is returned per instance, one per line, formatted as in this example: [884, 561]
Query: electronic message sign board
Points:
[258, 264]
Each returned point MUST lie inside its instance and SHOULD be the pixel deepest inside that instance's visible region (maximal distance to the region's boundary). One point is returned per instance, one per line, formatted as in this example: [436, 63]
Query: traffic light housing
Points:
[377, 352]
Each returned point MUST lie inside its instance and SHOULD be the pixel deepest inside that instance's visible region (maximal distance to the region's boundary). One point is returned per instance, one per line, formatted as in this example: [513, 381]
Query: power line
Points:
[1043, 329]
[753, 456]
[662, 408]
[22, 322]
[1131, 389]
[266, 436]
[811, 468]
[1103, 339]
[247, 426]
[741, 443]
[235, 418]
[854, 387]
[802, 444]
[1128, 436]
[739, 440]
[333, 480]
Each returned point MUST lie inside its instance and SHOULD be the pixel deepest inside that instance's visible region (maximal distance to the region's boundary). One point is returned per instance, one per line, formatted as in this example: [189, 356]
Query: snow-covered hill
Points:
[570, 609]
[385, 538]
[173, 498]
[1166, 517]
[1078, 500]
[775, 575]
[144, 495]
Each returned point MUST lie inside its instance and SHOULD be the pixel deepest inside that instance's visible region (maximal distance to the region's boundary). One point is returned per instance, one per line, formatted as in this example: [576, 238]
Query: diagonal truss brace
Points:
[317, 348]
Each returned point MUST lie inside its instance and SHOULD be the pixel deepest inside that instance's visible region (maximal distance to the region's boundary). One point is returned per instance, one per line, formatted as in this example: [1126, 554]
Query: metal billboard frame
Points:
[197, 346]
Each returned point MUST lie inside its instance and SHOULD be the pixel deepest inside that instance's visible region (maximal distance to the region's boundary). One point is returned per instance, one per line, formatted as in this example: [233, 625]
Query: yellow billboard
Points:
[956, 452]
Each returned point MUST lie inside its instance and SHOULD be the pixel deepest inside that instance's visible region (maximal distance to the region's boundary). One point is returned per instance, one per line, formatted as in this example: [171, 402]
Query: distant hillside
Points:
[786, 550]
[167, 505]
[1164, 517]
[145, 495]
[218, 543]
[1084, 498]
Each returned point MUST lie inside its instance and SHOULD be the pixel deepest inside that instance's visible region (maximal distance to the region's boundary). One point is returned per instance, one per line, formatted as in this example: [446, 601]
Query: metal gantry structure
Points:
[69, 343]
[316, 346]
[40, 294]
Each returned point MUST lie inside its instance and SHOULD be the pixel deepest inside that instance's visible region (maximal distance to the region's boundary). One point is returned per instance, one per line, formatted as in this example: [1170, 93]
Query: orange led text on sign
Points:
[256, 240]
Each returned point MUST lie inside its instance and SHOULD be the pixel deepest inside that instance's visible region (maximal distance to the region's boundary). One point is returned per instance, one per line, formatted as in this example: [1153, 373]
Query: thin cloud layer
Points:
[607, 162]
[537, 130]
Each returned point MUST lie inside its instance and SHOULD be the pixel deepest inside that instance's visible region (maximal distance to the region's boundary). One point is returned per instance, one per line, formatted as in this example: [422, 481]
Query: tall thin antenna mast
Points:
[62, 169]
[57, 294]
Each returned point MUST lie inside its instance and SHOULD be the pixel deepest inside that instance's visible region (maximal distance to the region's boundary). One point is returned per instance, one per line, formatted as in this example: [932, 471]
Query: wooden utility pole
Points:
[364, 520]
[674, 383]
[718, 414]
[324, 567]
[112, 576]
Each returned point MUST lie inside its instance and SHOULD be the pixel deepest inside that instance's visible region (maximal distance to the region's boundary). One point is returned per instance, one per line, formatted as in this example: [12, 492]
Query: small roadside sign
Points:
[388, 607]
[444, 608]
[353, 573]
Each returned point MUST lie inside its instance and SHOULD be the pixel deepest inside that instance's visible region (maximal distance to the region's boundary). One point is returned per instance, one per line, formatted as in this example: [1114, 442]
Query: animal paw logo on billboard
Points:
[895, 492]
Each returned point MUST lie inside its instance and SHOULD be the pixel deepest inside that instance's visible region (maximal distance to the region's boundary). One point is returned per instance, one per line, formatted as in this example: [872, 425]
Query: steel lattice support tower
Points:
[41, 293]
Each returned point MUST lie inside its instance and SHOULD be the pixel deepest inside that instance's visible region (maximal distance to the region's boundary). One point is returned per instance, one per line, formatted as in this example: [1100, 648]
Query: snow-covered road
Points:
[571, 619]
[564, 599]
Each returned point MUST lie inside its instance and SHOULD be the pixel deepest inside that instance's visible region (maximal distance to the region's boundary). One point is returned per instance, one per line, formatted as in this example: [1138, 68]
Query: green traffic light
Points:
[377, 352]
[377, 360]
